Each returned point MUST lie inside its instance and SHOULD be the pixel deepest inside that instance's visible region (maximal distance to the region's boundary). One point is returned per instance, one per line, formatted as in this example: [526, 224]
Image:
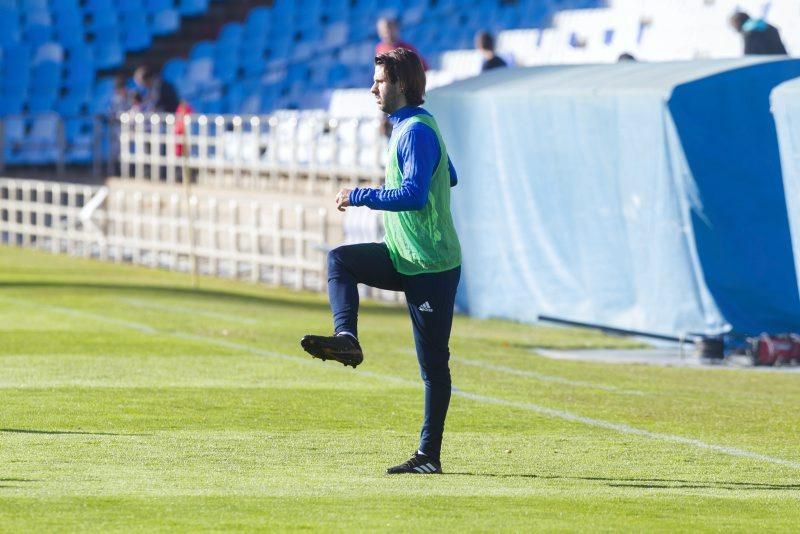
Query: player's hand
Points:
[343, 199]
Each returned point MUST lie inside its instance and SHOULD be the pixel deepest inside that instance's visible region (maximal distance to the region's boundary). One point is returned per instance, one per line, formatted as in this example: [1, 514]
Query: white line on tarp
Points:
[484, 399]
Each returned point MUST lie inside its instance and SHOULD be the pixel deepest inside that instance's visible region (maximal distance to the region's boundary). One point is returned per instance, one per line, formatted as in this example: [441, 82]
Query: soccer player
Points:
[420, 255]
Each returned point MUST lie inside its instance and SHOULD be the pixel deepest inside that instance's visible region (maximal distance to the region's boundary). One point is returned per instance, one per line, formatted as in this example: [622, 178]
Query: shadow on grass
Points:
[290, 301]
[14, 480]
[65, 432]
[651, 483]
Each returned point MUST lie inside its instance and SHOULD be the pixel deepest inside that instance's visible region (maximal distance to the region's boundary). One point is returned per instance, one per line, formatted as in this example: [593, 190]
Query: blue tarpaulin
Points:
[640, 196]
[786, 110]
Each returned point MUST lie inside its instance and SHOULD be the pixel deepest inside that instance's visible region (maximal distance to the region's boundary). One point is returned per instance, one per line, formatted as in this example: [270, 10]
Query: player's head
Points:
[388, 30]
[738, 20]
[399, 80]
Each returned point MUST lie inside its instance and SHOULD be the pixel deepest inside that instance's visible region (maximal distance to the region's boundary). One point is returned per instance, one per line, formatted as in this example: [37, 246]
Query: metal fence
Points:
[286, 151]
[46, 215]
[229, 236]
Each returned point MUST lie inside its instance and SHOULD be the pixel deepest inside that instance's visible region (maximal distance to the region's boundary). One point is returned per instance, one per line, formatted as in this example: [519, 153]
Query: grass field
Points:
[131, 402]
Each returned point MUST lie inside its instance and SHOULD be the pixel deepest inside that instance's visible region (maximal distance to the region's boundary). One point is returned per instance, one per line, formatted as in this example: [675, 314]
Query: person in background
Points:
[626, 57]
[120, 99]
[184, 108]
[389, 34]
[759, 37]
[157, 94]
[485, 43]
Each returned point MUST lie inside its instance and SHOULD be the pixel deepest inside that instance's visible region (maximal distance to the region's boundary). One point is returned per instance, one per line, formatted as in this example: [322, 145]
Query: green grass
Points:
[132, 402]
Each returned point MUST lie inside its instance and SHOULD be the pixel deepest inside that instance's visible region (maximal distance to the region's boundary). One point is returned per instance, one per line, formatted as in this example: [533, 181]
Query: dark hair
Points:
[484, 40]
[404, 66]
[738, 19]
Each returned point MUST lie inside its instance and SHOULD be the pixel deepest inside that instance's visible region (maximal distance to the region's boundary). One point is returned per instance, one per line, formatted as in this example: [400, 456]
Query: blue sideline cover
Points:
[786, 110]
[635, 195]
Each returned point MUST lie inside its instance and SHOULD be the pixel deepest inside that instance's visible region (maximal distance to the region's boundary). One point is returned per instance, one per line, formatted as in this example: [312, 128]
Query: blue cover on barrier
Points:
[640, 196]
[786, 110]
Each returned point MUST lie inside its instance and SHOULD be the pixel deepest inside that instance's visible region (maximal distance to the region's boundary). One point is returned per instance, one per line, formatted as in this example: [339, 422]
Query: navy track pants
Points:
[430, 298]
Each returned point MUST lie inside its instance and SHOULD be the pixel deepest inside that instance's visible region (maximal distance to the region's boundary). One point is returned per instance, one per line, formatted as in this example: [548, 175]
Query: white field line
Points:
[547, 378]
[530, 407]
[72, 312]
[139, 303]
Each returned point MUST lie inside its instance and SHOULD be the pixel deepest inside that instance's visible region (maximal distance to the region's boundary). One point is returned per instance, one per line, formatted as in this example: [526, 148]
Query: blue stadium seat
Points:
[38, 34]
[173, 70]
[11, 105]
[70, 106]
[41, 103]
[102, 18]
[126, 6]
[257, 28]
[192, 7]
[60, 6]
[108, 51]
[253, 63]
[335, 10]
[14, 132]
[336, 75]
[203, 49]
[46, 77]
[135, 31]
[336, 34]
[79, 75]
[34, 5]
[99, 5]
[40, 17]
[100, 102]
[231, 34]
[166, 22]
[226, 61]
[9, 26]
[41, 143]
[51, 51]
[69, 34]
[78, 137]
[156, 6]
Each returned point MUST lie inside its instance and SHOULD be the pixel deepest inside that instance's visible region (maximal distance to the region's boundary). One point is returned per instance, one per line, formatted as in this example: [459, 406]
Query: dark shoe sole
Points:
[315, 349]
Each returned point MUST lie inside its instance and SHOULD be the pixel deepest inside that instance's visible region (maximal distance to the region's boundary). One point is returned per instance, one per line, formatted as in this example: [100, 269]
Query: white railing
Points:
[55, 140]
[46, 215]
[232, 236]
[287, 151]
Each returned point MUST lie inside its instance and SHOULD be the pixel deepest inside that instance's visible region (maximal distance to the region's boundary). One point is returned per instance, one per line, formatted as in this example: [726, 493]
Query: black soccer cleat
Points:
[344, 349]
[418, 464]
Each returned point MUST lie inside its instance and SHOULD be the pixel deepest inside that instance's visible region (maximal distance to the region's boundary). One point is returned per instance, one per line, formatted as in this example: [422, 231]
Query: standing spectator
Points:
[184, 108]
[121, 100]
[759, 37]
[157, 95]
[389, 33]
[485, 43]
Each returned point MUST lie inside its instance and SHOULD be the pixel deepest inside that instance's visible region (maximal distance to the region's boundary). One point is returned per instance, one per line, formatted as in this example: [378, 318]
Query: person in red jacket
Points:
[183, 109]
[389, 33]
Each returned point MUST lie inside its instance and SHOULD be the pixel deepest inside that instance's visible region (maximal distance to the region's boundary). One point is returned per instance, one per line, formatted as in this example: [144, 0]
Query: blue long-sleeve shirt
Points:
[418, 154]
